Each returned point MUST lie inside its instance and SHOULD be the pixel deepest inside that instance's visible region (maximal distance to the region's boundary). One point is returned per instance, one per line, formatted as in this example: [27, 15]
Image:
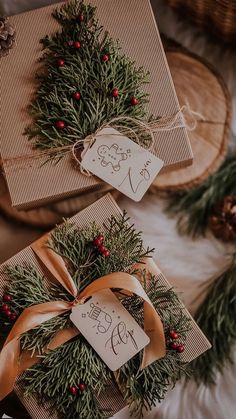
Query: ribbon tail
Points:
[9, 367]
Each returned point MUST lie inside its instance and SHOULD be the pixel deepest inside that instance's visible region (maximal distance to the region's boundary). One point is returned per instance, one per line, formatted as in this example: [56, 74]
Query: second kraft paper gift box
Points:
[71, 379]
[131, 23]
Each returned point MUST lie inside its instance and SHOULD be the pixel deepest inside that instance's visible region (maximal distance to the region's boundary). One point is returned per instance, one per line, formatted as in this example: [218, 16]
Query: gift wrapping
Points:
[100, 211]
[132, 23]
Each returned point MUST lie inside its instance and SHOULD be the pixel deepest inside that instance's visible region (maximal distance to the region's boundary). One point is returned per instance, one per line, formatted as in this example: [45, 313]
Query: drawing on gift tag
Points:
[111, 155]
[134, 181]
[120, 335]
[104, 319]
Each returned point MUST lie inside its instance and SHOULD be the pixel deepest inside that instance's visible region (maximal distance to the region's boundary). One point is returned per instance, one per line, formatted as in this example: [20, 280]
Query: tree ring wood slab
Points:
[198, 84]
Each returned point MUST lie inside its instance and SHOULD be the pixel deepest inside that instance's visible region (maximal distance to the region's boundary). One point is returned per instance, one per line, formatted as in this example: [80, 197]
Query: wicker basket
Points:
[216, 16]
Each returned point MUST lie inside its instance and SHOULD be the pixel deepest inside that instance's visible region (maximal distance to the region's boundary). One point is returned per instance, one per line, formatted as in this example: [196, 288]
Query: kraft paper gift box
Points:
[132, 23]
[196, 343]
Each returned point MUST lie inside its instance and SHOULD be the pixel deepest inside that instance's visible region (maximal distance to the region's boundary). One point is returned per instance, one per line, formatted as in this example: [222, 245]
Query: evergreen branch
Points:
[68, 365]
[84, 71]
[194, 207]
[216, 318]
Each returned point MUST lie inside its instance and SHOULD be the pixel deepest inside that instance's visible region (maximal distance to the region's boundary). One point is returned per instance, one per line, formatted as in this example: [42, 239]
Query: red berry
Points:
[134, 101]
[73, 390]
[60, 124]
[96, 242]
[80, 18]
[13, 317]
[115, 93]
[174, 345]
[82, 387]
[60, 62]
[8, 313]
[105, 58]
[7, 297]
[180, 349]
[76, 45]
[102, 248]
[173, 334]
[76, 95]
[106, 253]
[5, 307]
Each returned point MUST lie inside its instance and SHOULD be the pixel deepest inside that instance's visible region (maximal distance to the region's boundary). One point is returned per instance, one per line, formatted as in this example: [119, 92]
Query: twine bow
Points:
[13, 362]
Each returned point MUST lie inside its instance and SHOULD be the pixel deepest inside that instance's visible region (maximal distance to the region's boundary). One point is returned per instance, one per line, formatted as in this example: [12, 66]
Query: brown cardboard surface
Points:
[31, 184]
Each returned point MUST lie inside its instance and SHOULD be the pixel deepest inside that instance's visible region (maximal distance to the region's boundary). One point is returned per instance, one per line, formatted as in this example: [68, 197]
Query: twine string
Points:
[184, 118]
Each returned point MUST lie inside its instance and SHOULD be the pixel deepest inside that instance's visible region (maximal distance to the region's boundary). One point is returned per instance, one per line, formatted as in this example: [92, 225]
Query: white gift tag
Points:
[109, 328]
[122, 163]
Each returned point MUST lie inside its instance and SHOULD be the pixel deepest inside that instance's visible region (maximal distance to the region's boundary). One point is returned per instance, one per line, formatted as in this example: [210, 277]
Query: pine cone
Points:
[222, 222]
[7, 36]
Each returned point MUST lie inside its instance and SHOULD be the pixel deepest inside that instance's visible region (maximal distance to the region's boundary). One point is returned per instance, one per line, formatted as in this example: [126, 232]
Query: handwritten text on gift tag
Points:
[122, 163]
[109, 328]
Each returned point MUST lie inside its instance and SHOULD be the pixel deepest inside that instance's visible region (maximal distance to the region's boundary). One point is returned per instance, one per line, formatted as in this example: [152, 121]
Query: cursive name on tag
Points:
[122, 163]
[109, 328]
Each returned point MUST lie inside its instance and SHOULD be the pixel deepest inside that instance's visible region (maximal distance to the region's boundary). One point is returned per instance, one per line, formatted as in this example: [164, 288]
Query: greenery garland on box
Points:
[86, 81]
[69, 387]
[212, 206]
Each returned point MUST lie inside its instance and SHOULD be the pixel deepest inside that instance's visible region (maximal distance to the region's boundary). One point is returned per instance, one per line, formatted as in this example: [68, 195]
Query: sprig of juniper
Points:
[76, 361]
[216, 318]
[84, 71]
[194, 207]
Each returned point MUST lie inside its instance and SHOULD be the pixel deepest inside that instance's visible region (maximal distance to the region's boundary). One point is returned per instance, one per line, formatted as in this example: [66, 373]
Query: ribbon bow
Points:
[13, 362]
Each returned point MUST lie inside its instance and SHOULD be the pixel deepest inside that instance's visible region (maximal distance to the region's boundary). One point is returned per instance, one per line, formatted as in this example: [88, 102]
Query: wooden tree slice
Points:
[199, 85]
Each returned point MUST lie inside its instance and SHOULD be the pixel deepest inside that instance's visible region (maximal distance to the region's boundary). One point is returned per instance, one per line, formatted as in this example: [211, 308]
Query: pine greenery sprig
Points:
[84, 71]
[194, 207]
[76, 361]
[216, 318]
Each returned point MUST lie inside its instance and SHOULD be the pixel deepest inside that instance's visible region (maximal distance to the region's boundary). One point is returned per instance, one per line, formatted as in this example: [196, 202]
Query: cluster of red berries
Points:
[75, 389]
[60, 124]
[6, 309]
[174, 345]
[98, 243]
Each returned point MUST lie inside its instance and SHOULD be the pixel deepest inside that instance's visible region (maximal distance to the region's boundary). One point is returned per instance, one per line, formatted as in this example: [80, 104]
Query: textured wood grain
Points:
[198, 84]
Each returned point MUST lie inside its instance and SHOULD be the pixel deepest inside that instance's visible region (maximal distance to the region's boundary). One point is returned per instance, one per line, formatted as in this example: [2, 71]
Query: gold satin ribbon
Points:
[13, 362]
